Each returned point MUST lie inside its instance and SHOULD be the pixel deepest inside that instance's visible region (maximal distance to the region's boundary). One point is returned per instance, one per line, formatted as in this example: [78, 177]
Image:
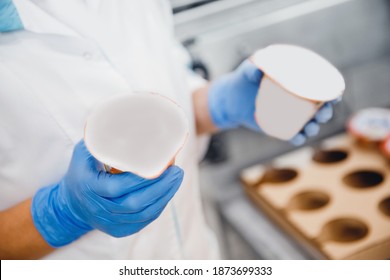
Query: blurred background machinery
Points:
[219, 34]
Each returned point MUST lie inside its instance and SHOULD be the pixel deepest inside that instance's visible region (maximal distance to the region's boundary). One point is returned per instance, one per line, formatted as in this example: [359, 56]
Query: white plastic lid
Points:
[301, 72]
[386, 147]
[138, 132]
[371, 124]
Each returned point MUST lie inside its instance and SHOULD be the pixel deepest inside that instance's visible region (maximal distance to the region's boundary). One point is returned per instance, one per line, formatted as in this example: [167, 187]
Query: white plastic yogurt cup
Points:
[296, 83]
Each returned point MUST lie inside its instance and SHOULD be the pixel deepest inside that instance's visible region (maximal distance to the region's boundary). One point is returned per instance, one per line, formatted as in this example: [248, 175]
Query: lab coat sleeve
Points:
[194, 82]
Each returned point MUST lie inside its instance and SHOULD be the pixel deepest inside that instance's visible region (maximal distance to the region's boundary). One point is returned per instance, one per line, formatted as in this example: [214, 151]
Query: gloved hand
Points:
[312, 128]
[87, 199]
[9, 17]
[231, 100]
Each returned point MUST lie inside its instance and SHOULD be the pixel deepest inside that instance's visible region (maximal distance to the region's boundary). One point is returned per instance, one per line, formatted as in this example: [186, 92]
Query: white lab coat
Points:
[73, 54]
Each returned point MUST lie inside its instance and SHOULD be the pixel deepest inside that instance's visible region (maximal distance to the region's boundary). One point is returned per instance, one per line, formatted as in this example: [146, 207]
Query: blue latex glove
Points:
[312, 128]
[232, 97]
[87, 199]
[232, 102]
[9, 17]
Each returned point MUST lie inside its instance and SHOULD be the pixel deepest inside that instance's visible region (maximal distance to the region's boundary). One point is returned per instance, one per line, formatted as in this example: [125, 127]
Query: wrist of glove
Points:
[231, 101]
[86, 199]
[54, 220]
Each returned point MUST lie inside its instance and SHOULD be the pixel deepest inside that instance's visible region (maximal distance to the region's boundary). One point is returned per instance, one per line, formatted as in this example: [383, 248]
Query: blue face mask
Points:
[9, 18]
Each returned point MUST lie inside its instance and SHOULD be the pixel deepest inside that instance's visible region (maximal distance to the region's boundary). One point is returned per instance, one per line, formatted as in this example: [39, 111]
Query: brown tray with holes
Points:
[334, 200]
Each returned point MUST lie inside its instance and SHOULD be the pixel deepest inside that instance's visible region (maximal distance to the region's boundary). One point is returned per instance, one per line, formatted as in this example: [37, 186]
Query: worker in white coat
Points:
[57, 60]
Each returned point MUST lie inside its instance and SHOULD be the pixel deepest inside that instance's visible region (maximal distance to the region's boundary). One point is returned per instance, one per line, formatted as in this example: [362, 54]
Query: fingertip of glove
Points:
[176, 171]
[312, 129]
[337, 100]
[325, 113]
[175, 176]
[298, 140]
[251, 71]
[81, 148]
[81, 145]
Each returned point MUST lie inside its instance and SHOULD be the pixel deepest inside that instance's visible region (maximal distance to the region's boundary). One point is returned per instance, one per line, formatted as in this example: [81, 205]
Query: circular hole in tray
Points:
[309, 200]
[384, 206]
[330, 156]
[279, 175]
[344, 230]
[362, 179]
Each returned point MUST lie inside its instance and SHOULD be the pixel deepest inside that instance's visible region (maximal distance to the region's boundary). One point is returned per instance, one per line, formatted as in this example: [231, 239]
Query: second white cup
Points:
[296, 83]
